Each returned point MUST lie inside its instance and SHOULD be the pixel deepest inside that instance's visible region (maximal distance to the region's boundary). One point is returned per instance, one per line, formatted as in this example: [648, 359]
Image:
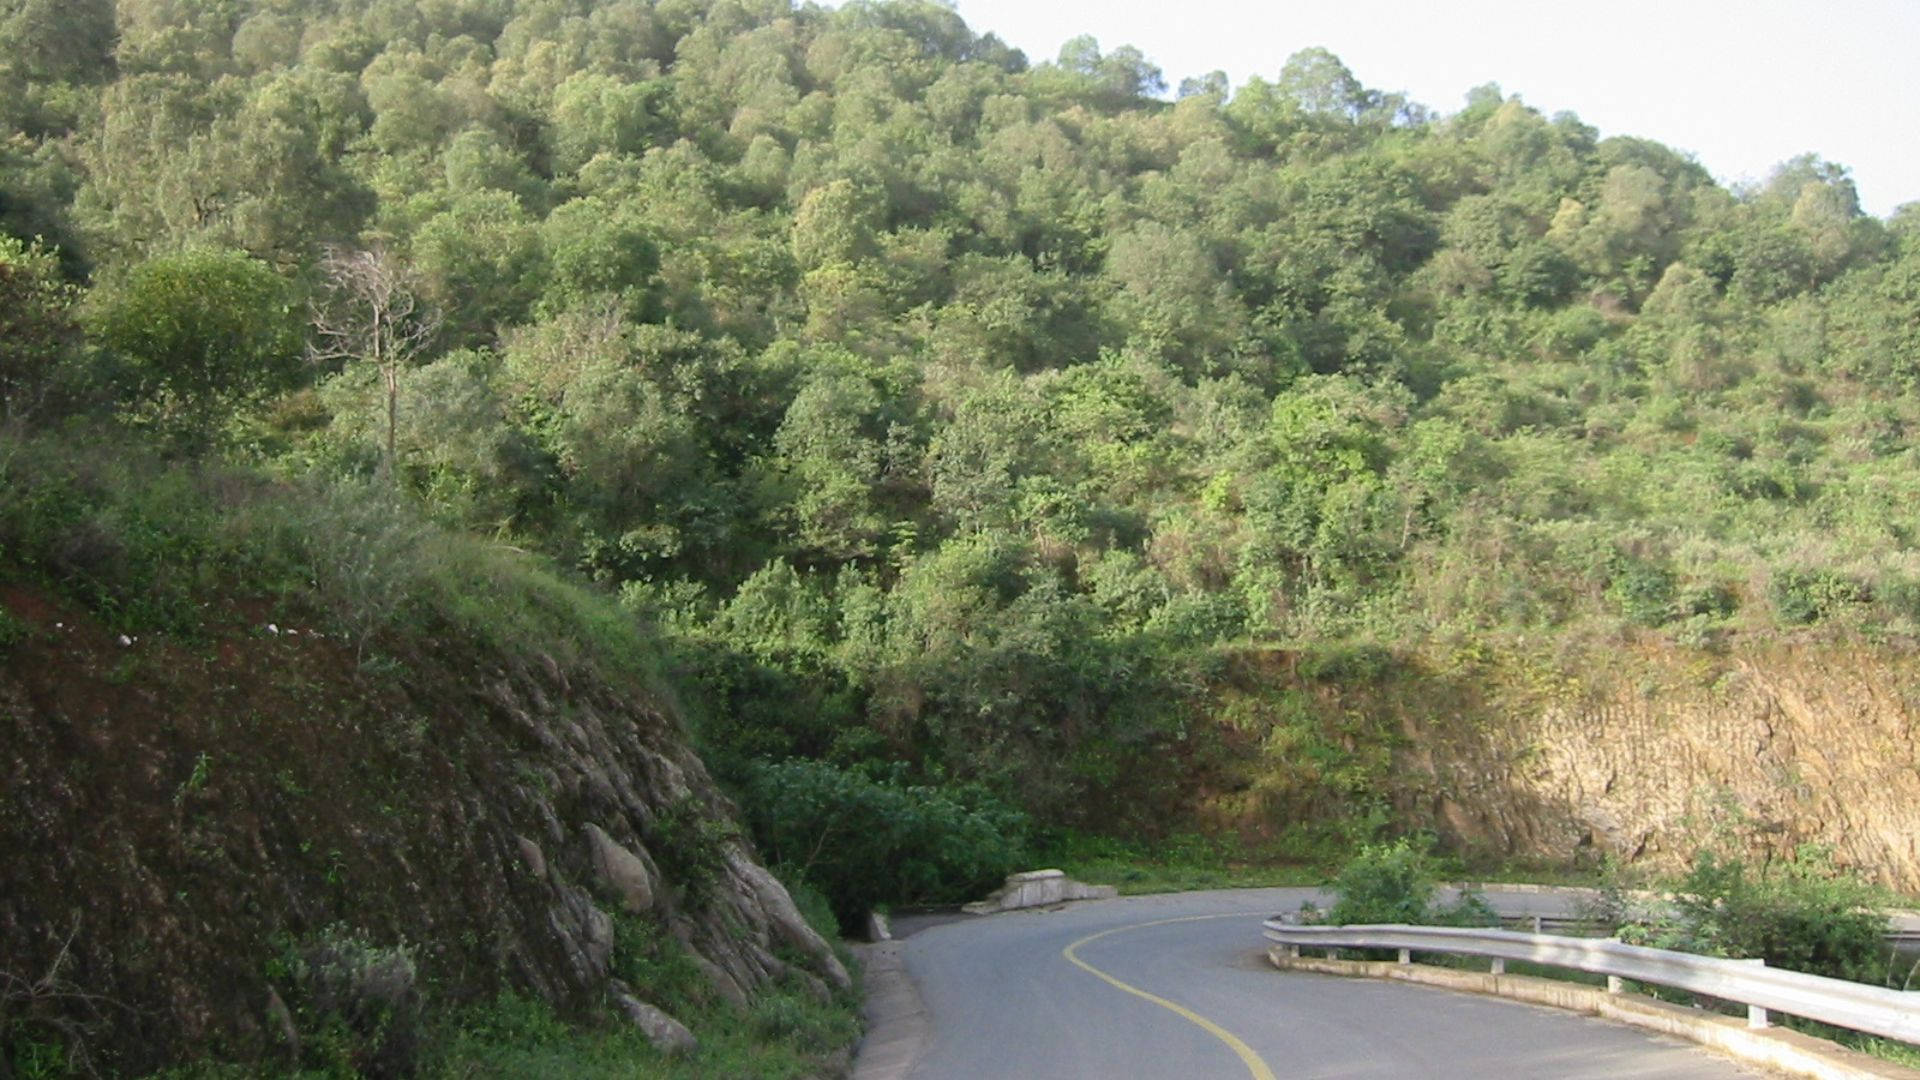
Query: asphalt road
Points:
[1178, 987]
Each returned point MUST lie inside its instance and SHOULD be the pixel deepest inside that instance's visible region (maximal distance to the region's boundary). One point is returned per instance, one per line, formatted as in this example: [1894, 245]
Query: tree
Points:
[600, 248]
[204, 331]
[480, 262]
[56, 40]
[37, 330]
[1118, 80]
[1212, 85]
[595, 114]
[1320, 85]
[834, 448]
[371, 312]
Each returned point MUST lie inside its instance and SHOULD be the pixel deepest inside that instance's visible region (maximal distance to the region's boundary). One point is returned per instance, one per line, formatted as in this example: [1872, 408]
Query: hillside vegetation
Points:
[999, 449]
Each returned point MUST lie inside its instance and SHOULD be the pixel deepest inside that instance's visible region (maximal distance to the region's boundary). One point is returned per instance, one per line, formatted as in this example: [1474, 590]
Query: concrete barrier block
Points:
[1038, 888]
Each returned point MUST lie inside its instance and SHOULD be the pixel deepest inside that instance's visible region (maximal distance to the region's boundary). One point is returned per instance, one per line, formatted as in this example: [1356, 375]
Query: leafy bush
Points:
[1396, 882]
[1644, 591]
[1803, 915]
[201, 331]
[646, 955]
[37, 333]
[689, 843]
[1800, 597]
[356, 1006]
[865, 840]
[1386, 883]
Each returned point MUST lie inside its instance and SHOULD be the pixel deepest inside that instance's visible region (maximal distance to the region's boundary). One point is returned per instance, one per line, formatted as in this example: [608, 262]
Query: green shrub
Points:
[1397, 882]
[1712, 600]
[1900, 596]
[1386, 883]
[864, 840]
[1800, 597]
[1645, 592]
[1803, 915]
[1355, 662]
[689, 843]
[814, 907]
[356, 1006]
[791, 1017]
[649, 958]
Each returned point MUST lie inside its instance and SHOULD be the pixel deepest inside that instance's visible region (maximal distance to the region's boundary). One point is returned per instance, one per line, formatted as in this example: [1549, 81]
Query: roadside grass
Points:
[1889, 1050]
[1177, 864]
[1190, 861]
[1898, 1053]
[1529, 873]
[785, 1033]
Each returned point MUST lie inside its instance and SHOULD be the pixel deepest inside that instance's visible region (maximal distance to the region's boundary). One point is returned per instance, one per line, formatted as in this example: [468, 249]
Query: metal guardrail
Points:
[1892, 1014]
[1903, 932]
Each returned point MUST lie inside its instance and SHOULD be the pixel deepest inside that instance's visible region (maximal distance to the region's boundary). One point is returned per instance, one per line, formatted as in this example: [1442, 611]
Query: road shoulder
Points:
[898, 1027]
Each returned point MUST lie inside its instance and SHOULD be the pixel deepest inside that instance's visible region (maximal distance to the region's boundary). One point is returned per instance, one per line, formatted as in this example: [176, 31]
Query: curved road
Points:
[1178, 987]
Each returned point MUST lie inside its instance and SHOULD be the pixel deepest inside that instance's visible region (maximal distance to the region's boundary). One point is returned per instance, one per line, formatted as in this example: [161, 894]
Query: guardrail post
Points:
[1615, 984]
[1499, 966]
[1536, 924]
[1406, 956]
[1757, 1016]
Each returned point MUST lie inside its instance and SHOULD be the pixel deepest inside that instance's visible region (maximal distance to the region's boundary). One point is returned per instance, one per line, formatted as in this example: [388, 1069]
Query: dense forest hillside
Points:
[969, 426]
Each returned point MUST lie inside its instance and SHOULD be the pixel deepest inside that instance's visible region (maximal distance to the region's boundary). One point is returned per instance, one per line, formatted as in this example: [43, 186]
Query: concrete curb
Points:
[1775, 1048]
[898, 1029]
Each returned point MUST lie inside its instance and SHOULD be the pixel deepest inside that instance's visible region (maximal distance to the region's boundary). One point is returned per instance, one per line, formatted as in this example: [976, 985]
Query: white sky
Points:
[1741, 84]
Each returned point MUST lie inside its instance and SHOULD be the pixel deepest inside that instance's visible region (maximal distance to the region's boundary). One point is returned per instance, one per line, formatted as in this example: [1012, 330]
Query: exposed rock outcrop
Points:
[1561, 753]
[1658, 750]
[663, 1031]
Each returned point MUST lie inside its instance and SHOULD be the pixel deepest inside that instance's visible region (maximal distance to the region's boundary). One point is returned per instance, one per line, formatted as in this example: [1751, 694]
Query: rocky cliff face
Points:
[1645, 751]
[183, 821]
[1649, 752]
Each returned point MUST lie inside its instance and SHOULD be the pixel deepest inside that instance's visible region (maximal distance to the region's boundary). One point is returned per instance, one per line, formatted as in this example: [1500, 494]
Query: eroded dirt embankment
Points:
[182, 820]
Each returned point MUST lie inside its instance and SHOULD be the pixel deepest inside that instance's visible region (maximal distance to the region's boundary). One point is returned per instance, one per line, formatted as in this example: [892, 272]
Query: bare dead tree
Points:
[51, 1004]
[371, 312]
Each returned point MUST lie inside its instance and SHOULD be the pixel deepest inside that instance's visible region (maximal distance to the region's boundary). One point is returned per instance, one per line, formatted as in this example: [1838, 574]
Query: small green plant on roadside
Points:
[1399, 882]
[1394, 882]
[1803, 914]
[689, 843]
[356, 1007]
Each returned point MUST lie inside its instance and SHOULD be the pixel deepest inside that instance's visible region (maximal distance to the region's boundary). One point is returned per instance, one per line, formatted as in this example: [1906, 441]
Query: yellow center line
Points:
[1255, 1067]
